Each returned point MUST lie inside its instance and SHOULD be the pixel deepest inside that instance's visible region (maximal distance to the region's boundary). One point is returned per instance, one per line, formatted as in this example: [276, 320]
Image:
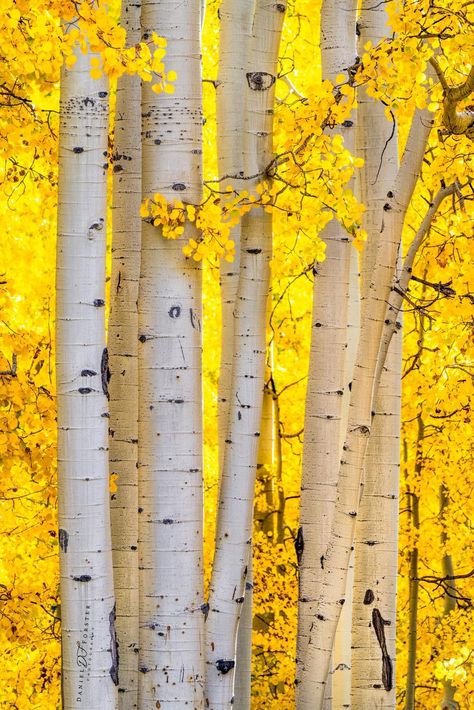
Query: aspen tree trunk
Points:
[448, 702]
[373, 657]
[123, 357]
[414, 505]
[170, 397]
[374, 612]
[330, 371]
[89, 649]
[364, 384]
[235, 25]
[242, 685]
[340, 679]
[235, 506]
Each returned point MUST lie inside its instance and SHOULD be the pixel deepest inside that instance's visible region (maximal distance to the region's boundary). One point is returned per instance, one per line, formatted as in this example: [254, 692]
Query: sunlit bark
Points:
[235, 506]
[330, 370]
[123, 357]
[170, 398]
[235, 25]
[89, 649]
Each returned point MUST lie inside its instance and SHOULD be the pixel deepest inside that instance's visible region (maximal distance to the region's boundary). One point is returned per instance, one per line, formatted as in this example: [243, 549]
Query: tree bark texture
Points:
[123, 357]
[235, 25]
[235, 503]
[89, 648]
[330, 371]
[360, 410]
[170, 398]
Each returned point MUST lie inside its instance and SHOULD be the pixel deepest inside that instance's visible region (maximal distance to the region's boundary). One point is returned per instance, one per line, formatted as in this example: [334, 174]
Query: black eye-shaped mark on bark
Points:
[63, 539]
[260, 80]
[105, 372]
[299, 545]
[174, 312]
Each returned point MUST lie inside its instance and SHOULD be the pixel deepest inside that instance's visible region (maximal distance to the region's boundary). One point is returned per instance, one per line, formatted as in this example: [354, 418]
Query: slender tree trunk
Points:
[235, 507]
[374, 614]
[413, 505]
[330, 369]
[170, 397]
[448, 702]
[89, 650]
[235, 25]
[123, 356]
[373, 679]
[364, 385]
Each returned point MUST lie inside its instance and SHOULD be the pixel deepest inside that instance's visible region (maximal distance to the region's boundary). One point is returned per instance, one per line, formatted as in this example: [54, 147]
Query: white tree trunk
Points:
[170, 397]
[374, 601]
[375, 585]
[331, 365]
[235, 24]
[363, 386]
[123, 357]
[235, 506]
[89, 650]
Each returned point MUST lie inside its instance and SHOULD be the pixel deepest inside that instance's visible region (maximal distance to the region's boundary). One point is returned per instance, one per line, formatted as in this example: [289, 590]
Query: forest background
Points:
[436, 484]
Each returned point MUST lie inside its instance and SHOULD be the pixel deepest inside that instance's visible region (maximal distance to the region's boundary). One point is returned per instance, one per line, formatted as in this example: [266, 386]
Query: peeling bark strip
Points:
[114, 668]
[387, 670]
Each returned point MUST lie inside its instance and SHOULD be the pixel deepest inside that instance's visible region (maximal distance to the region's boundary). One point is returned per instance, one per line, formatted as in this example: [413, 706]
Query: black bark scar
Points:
[299, 545]
[114, 669]
[63, 539]
[387, 667]
[105, 372]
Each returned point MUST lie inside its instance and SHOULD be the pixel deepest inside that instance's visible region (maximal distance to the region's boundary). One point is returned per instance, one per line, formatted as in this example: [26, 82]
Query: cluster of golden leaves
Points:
[438, 382]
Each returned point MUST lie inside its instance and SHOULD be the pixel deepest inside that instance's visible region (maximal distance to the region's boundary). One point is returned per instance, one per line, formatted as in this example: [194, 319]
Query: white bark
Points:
[374, 601]
[331, 365]
[235, 507]
[235, 24]
[89, 651]
[123, 357]
[170, 399]
[375, 585]
[363, 386]
[243, 671]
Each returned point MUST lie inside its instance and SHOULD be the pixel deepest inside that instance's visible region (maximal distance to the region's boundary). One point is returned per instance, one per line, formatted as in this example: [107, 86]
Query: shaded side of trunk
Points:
[170, 397]
[123, 357]
[89, 649]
